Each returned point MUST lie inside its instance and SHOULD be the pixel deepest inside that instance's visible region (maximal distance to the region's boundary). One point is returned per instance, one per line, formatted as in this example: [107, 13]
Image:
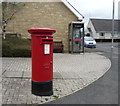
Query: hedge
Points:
[16, 47]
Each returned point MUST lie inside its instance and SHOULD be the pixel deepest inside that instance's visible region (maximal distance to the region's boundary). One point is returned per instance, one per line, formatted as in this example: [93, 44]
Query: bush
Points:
[6, 49]
[21, 53]
[16, 47]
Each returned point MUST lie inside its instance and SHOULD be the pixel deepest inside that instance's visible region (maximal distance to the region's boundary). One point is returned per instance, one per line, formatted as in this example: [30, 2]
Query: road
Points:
[102, 91]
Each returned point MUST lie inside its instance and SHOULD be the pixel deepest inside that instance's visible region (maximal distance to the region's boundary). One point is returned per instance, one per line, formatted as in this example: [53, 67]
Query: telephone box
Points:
[76, 37]
[42, 61]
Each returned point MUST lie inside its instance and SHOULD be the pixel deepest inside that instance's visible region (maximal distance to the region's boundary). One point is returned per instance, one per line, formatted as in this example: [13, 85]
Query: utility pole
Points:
[113, 24]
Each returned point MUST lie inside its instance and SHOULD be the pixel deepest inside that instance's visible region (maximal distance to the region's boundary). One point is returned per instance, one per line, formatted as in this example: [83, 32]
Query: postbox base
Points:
[42, 88]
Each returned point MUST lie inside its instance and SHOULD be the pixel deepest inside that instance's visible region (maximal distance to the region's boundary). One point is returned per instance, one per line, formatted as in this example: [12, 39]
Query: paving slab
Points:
[72, 72]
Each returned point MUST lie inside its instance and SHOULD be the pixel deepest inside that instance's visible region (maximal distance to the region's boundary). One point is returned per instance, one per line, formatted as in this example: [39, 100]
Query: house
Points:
[55, 15]
[102, 28]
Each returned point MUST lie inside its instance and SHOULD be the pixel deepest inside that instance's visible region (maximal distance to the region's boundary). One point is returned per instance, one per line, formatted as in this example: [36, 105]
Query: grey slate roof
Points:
[105, 25]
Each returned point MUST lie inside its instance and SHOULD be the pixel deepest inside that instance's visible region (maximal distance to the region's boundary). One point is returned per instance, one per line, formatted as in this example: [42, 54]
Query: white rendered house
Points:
[102, 28]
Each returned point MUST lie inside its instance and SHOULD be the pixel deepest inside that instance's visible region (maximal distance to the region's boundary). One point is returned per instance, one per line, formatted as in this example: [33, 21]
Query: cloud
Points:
[95, 8]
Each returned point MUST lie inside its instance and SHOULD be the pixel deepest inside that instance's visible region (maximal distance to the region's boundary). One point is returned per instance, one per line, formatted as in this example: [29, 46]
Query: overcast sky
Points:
[95, 8]
[91, 8]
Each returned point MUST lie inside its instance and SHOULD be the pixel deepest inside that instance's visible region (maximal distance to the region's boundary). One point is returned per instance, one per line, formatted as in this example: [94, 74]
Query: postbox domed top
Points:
[41, 31]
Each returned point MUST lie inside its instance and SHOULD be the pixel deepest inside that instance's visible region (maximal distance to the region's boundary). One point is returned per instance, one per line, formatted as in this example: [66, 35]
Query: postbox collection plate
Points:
[46, 48]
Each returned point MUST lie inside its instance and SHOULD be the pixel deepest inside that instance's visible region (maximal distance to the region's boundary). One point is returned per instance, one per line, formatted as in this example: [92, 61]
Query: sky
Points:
[95, 8]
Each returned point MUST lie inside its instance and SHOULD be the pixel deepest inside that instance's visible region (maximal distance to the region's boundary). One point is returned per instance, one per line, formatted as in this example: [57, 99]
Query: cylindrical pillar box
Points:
[42, 61]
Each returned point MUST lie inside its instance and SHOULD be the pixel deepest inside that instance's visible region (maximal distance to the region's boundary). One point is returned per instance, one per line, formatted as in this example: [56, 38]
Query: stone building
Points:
[56, 15]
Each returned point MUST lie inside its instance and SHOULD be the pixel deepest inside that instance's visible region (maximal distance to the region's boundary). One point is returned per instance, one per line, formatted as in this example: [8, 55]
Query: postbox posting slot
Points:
[46, 41]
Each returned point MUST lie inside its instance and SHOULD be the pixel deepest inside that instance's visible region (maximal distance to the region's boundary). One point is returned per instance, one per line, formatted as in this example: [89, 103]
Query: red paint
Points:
[42, 64]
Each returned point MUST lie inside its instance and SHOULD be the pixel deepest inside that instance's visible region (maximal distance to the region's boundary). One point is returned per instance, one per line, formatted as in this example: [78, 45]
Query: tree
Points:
[8, 11]
[7, 14]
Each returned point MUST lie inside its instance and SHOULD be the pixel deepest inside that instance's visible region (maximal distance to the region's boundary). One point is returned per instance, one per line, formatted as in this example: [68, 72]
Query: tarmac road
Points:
[102, 91]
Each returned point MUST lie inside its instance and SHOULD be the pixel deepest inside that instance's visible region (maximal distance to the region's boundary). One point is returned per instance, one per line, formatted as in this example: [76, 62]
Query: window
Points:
[89, 29]
[102, 34]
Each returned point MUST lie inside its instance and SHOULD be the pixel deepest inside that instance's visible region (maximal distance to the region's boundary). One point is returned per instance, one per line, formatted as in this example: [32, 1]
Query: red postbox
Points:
[42, 61]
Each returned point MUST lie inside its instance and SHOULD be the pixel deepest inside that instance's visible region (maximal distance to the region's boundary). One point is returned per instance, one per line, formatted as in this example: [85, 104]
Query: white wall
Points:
[93, 34]
[107, 36]
[96, 35]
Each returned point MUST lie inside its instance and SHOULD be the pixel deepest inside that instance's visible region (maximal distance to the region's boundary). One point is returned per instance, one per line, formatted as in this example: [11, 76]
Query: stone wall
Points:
[43, 14]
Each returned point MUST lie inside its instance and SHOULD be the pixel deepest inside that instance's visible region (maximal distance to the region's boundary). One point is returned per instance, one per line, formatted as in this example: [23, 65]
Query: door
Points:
[76, 37]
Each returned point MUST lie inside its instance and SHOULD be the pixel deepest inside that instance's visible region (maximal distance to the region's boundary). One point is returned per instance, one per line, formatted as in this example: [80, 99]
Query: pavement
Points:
[72, 72]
